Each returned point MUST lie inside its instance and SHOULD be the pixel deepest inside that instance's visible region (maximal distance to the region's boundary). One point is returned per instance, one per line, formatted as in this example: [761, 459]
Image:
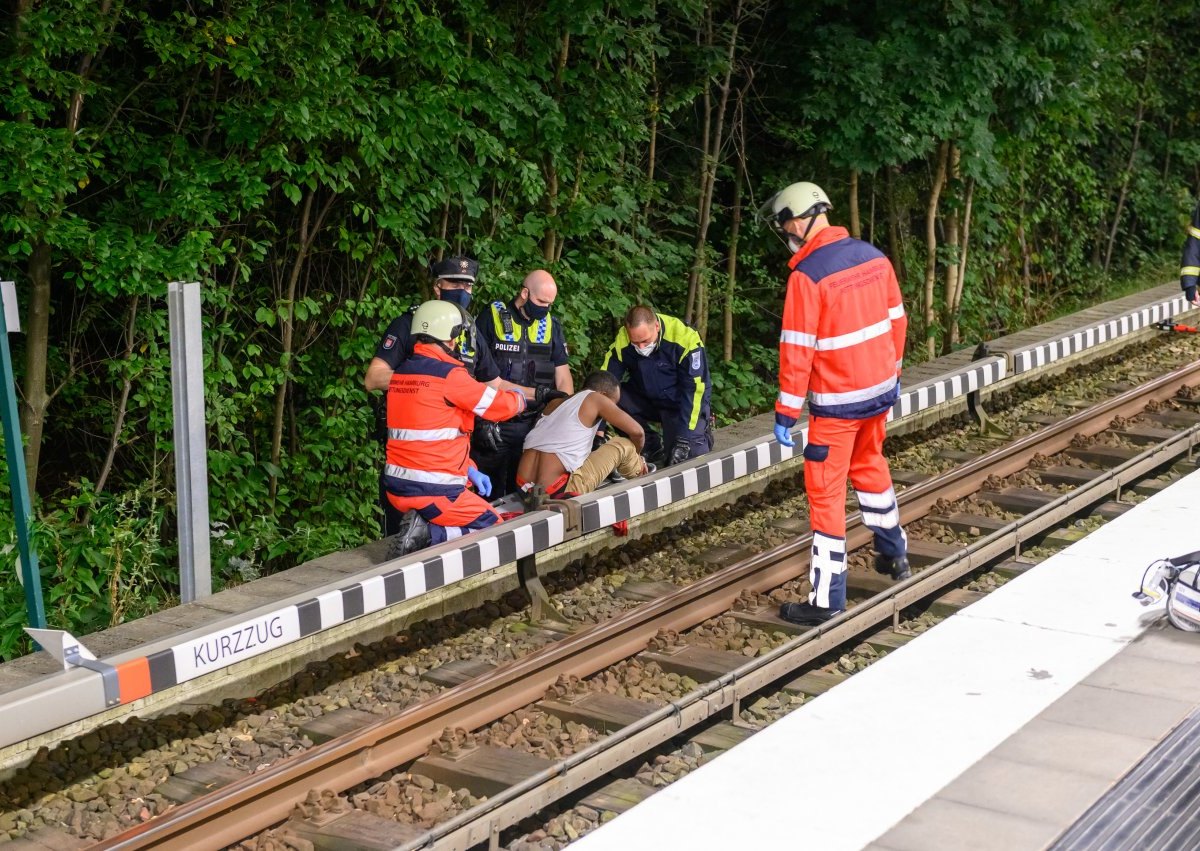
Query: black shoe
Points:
[415, 536]
[897, 568]
[806, 614]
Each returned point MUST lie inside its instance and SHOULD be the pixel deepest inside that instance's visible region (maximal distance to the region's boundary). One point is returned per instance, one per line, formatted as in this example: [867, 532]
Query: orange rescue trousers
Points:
[838, 449]
[449, 517]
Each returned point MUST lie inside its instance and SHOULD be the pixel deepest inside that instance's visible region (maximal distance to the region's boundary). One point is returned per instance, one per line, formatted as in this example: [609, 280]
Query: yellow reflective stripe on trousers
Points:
[1189, 270]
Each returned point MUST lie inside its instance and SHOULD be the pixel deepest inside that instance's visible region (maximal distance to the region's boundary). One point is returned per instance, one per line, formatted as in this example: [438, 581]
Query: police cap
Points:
[455, 269]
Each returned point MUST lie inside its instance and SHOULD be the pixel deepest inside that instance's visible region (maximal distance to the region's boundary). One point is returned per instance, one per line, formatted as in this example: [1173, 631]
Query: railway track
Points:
[267, 797]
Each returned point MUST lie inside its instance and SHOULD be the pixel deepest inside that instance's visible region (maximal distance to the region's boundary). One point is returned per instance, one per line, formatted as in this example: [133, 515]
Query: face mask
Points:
[794, 243]
[460, 297]
[535, 312]
[646, 351]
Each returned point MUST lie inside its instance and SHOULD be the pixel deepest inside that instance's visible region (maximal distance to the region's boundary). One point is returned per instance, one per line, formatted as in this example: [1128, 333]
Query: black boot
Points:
[415, 536]
[897, 567]
[806, 614]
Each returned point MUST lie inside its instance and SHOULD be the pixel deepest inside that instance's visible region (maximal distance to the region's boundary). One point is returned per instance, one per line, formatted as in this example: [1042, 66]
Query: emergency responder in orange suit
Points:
[432, 402]
[842, 345]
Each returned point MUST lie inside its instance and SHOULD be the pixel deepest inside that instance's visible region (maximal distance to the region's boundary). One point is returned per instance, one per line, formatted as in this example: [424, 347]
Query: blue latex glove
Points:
[521, 396]
[482, 483]
[783, 435]
[1190, 294]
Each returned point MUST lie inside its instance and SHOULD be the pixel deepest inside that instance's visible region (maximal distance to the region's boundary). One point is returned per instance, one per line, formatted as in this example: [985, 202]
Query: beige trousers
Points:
[618, 454]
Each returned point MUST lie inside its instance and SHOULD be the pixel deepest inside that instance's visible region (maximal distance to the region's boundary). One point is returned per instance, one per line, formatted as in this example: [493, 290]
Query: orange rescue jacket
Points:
[843, 331]
[432, 403]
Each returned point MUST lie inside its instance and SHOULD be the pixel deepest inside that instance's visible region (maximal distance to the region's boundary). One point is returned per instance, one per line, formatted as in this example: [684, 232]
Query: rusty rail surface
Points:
[254, 803]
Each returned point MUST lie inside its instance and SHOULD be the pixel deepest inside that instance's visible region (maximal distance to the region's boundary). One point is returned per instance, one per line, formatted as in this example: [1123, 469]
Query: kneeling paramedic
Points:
[842, 345]
[432, 402]
[453, 280]
[665, 368]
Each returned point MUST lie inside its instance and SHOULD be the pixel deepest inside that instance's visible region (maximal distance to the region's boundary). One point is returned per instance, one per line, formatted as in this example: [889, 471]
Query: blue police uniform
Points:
[671, 387]
[526, 352]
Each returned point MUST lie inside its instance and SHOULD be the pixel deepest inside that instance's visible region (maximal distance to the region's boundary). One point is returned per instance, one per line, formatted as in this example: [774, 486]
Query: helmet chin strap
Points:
[794, 242]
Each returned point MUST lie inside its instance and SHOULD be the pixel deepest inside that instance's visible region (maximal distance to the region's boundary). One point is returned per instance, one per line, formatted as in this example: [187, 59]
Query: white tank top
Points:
[561, 433]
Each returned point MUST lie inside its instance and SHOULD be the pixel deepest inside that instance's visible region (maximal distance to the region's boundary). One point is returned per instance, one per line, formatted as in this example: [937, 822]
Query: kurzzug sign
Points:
[218, 650]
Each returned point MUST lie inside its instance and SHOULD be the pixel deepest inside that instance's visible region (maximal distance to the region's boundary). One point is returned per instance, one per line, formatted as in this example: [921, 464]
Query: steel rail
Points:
[484, 821]
[260, 800]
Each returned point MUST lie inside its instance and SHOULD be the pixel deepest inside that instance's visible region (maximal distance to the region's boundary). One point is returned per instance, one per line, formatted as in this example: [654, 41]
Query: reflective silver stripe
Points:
[896, 312]
[797, 338]
[844, 341]
[828, 399]
[879, 509]
[423, 433]
[1194, 232]
[885, 520]
[899, 365]
[878, 501]
[485, 401]
[791, 401]
[425, 476]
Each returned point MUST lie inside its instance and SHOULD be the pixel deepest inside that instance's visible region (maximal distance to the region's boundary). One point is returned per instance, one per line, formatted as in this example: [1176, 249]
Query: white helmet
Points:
[441, 320]
[797, 201]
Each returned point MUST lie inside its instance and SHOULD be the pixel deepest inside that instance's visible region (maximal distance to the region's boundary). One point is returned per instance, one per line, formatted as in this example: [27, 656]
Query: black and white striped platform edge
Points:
[1078, 341]
[611, 505]
[64, 698]
[977, 375]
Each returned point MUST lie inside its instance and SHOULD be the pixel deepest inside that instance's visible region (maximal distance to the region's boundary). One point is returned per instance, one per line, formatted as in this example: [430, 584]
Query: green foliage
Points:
[305, 161]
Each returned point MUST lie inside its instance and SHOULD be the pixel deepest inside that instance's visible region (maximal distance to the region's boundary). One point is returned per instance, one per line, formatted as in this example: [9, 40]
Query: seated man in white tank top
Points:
[558, 452]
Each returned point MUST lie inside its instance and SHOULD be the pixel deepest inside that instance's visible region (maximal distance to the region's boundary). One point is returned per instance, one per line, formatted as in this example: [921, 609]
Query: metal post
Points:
[14, 450]
[191, 447]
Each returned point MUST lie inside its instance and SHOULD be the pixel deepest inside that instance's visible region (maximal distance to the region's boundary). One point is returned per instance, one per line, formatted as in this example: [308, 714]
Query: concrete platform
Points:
[998, 729]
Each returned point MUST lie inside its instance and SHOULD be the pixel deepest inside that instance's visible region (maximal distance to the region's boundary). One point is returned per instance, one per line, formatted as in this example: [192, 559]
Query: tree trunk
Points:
[855, 222]
[36, 398]
[895, 244]
[550, 247]
[871, 220]
[40, 267]
[287, 334]
[652, 151]
[953, 220]
[956, 313]
[114, 442]
[735, 227]
[1128, 175]
[931, 246]
[711, 159]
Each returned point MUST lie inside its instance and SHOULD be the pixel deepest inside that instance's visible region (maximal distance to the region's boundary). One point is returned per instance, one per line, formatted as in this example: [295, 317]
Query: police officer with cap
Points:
[530, 352]
[454, 278]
